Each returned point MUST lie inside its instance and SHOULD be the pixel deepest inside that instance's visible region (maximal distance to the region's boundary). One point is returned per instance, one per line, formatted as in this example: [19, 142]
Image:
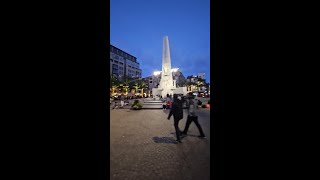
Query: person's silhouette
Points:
[177, 112]
[192, 105]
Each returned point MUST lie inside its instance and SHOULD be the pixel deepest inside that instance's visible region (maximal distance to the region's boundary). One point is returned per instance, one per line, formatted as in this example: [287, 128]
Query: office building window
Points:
[115, 69]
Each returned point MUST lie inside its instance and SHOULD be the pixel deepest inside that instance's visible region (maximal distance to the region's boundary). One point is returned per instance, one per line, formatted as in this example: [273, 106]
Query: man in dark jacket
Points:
[177, 112]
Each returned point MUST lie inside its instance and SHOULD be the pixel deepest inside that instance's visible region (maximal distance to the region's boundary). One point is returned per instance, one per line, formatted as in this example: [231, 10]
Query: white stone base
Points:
[179, 90]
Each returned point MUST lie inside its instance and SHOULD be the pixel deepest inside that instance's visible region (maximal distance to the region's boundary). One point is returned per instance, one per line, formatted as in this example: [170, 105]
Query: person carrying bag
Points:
[192, 105]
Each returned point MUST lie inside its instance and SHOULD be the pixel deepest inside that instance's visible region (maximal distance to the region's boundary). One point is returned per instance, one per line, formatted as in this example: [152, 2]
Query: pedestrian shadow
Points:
[164, 140]
[192, 135]
[167, 111]
[185, 135]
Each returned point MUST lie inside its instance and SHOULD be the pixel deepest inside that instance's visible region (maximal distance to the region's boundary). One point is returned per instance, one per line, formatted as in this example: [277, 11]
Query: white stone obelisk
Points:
[166, 84]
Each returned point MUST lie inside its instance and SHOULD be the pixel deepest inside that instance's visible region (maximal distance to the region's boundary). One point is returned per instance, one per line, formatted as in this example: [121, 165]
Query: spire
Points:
[166, 51]
[166, 82]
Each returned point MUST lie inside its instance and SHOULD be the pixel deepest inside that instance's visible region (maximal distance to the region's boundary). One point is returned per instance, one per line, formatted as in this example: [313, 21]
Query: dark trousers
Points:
[176, 126]
[194, 119]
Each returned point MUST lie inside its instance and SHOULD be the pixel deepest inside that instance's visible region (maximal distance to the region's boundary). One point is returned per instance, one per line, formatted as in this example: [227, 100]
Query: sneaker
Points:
[202, 136]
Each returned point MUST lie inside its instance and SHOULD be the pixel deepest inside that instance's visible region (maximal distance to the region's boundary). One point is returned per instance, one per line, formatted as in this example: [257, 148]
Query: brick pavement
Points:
[142, 146]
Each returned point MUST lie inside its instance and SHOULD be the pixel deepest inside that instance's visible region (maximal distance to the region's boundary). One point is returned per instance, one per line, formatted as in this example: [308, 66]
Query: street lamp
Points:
[156, 73]
[174, 69]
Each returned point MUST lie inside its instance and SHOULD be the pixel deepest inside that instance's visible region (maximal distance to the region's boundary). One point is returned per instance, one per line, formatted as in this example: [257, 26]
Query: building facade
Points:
[123, 63]
[179, 77]
[201, 75]
[198, 84]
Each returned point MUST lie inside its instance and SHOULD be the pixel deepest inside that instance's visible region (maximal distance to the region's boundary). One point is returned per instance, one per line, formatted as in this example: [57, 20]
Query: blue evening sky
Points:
[138, 27]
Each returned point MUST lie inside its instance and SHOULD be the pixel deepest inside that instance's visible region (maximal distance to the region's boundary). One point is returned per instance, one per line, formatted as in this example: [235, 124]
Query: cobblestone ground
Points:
[142, 146]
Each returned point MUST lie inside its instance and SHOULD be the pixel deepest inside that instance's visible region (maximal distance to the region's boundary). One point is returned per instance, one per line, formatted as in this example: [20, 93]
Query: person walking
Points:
[164, 105]
[122, 101]
[192, 105]
[168, 103]
[177, 112]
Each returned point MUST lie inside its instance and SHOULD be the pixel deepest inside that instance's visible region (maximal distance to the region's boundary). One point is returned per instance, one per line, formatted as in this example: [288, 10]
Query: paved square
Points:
[142, 146]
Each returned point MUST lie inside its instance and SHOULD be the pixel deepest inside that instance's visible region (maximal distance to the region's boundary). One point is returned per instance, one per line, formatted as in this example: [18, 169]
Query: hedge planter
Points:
[136, 105]
[136, 108]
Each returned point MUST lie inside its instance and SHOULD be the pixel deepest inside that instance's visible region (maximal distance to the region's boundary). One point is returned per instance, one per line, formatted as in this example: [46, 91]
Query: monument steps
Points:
[152, 104]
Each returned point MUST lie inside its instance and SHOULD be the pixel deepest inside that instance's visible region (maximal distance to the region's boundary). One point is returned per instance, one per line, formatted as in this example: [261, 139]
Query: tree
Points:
[139, 84]
[131, 82]
[126, 82]
[136, 86]
[143, 85]
[114, 83]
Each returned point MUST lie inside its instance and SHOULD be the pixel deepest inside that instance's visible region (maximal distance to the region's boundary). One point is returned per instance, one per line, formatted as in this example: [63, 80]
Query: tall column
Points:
[166, 82]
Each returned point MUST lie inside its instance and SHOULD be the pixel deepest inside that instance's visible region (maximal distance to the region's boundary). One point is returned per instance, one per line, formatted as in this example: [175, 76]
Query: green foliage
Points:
[136, 101]
[204, 106]
[114, 81]
[136, 105]
[126, 80]
[131, 82]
